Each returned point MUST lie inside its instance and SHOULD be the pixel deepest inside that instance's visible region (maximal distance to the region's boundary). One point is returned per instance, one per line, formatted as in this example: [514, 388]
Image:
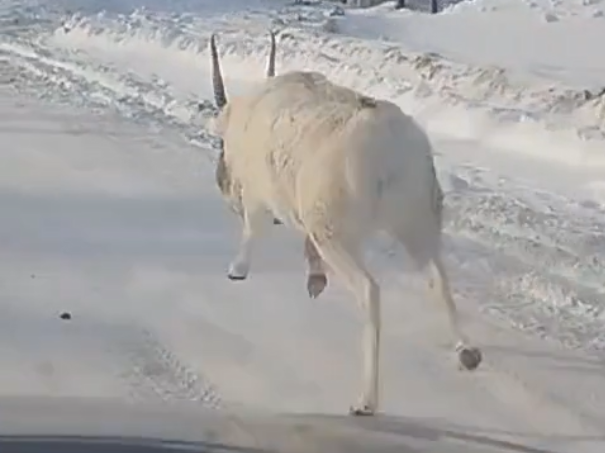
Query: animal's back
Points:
[317, 149]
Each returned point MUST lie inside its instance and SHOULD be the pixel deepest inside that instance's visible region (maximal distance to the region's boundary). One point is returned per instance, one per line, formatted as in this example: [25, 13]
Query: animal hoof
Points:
[277, 222]
[363, 410]
[470, 358]
[316, 284]
[238, 271]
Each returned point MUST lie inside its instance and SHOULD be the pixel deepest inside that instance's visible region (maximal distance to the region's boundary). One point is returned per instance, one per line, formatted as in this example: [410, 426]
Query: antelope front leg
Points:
[317, 280]
[253, 221]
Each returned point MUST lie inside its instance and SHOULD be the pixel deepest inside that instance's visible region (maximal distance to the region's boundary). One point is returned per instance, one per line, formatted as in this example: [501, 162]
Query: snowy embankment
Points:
[529, 61]
[486, 73]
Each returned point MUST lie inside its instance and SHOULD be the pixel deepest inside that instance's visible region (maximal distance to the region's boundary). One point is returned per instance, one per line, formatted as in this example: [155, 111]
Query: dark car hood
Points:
[70, 425]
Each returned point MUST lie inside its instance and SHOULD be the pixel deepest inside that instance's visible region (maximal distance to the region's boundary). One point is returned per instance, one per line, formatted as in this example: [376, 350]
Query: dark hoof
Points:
[316, 284]
[363, 411]
[277, 222]
[470, 358]
[236, 278]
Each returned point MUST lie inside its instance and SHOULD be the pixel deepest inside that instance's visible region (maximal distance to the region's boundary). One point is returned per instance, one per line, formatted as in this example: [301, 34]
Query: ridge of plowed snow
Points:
[399, 71]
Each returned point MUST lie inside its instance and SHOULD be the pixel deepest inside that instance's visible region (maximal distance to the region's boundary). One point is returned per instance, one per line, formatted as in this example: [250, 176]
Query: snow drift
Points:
[422, 81]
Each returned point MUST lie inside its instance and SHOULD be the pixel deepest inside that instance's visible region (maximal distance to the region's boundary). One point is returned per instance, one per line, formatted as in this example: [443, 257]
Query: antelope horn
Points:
[271, 66]
[218, 84]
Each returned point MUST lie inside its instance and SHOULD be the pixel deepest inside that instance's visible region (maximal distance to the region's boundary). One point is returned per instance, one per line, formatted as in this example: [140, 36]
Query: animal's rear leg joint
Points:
[316, 283]
[317, 280]
[361, 410]
[469, 357]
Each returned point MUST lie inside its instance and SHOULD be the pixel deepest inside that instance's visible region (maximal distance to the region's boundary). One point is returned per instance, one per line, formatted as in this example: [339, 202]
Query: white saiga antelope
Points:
[337, 166]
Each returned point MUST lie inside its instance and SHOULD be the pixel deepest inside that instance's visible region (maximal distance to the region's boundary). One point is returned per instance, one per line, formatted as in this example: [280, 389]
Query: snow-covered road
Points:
[110, 213]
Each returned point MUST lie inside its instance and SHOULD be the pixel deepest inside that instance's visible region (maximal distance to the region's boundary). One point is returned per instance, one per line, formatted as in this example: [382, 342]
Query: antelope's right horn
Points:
[218, 85]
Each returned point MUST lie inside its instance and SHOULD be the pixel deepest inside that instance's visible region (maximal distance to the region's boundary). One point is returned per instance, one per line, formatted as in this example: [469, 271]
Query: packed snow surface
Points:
[110, 213]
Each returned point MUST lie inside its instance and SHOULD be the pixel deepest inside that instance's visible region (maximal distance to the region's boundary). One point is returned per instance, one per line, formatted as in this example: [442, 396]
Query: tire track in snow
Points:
[89, 354]
[148, 367]
[65, 80]
[155, 372]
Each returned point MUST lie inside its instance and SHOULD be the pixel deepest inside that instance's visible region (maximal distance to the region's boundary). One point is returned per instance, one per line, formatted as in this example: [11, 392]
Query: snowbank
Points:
[464, 72]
